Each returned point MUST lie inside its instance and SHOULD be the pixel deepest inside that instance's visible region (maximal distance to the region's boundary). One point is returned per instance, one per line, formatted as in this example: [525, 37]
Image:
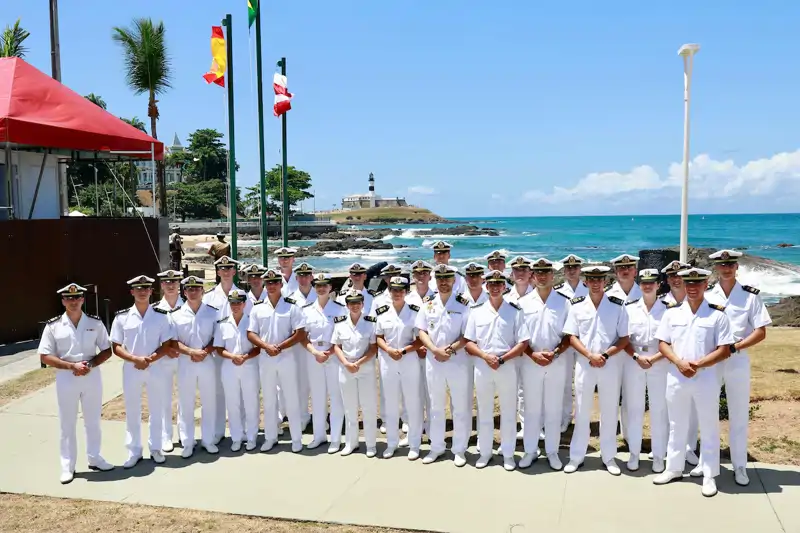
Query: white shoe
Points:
[333, 447]
[297, 446]
[459, 460]
[572, 466]
[509, 464]
[383, 429]
[666, 477]
[315, 444]
[404, 427]
[168, 446]
[218, 439]
[613, 468]
[430, 458]
[210, 448]
[101, 465]
[403, 442]
[371, 452]
[692, 458]
[740, 476]
[483, 461]
[157, 457]
[132, 461]
[66, 477]
[633, 463]
[541, 435]
[413, 455]
[347, 450]
[187, 452]
[236, 445]
[696, 471]
[268, 445]
[520, 434]
[555, 462]
[280, 430]
[658, 465]
[528, 459]
[250, 446]
[709, 487]
[388, 453]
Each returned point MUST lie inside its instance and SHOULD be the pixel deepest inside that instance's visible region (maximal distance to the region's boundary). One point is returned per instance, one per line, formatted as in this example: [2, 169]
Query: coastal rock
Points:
[324, 247]
[374, 233]
[333, 236]
[463, 229]
[784, 245]
[786, 312]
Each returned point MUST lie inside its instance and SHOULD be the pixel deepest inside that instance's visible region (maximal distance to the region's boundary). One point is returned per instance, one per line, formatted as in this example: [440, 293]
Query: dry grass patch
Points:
[26, 384]
[775, 366]
[36, 514]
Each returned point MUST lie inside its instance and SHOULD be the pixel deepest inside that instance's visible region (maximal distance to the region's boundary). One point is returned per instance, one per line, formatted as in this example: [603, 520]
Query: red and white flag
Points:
[283, 98]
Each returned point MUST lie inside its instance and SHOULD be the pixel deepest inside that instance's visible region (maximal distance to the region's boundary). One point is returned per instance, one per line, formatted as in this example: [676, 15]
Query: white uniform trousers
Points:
[607, 381]
[133, 382]
[193, 376]
[358, 390]
[502, 382]
[425, 397]
[167, 371]
[323, 380]
[569, 378]
[734, 373]
[219, 404]
[470, 392]
[440, 376]
[400, 399]
[70, 391]
[401, 378]
[280, 370]
[704, 390]
[240, 384]
[635, 381]
[303, 385]
[544, 389]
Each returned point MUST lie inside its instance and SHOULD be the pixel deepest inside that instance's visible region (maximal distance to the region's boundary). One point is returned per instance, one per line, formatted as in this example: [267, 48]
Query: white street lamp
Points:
[687, 52]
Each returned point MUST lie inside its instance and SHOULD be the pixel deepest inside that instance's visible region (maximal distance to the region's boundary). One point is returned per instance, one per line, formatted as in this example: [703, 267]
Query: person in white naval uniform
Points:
[572, 287]
[475, 294]
[496, 260]
[645, 372]
[75, 344]
[217, 297]
[239, 372]
[194, 326]
[141, 335]
[323, 371]
[252, 274]
[171, 301]
[358, 276]
[749, 320]
[521, 276]
[289, 283]
[441, 256]
[440, 322]
[419, 291]
[381, 299]
[598, 329]
[695, 335]
[303, 295]
[496, 333]
[396, 337]
[354, 344]
[276, 325]
[542, 368]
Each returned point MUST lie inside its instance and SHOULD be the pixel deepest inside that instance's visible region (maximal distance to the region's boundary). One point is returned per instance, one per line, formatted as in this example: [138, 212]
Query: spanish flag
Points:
[219, 58]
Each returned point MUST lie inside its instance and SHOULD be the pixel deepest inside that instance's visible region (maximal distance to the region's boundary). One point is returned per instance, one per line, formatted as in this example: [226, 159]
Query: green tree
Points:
[148, 69]
[11, 41]
[135, 122]
[207, 157]
[298, 183]
[96, 100]
[250, 204]
[200, 199]
[109, 196]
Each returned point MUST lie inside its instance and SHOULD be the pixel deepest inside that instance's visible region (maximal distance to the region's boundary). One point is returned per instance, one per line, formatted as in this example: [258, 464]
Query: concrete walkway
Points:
[391, 493]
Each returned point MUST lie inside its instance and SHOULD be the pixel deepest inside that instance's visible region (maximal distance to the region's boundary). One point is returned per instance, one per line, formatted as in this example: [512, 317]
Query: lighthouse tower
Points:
[372, 202]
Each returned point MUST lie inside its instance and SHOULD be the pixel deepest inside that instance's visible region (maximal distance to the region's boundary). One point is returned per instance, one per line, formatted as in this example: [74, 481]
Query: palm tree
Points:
[136, 123]
[11, 41]
[148, 69]
[96, 100]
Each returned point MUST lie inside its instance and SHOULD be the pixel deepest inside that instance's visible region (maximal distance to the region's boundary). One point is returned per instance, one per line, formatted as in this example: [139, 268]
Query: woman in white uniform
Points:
[323, 370]
[354, 344]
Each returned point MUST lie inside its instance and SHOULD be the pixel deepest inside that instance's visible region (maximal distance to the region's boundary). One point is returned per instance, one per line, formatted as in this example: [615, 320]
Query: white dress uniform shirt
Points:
[669, 298]
[74, 344]
[366, 293]
[413, 297]
[693, 336]
[482, 297]
[167, 369]
[513, 296]
[444, 323]
[747, 312]
[239, 383]
[303, 360]
[274, 325]
[252, 299]
[218, 299]
[598, 329]
[196, 330]
[496, 332]
[616, 290]
[566, 289]
[290, 285]
[545, 320]
[303, 299]
[142, 336]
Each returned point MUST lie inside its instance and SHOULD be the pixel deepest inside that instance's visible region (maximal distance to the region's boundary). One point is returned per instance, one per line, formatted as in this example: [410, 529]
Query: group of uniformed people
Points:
[484, 333]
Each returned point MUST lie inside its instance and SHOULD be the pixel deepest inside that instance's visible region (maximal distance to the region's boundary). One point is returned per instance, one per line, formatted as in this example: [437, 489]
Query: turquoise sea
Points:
[599, 239]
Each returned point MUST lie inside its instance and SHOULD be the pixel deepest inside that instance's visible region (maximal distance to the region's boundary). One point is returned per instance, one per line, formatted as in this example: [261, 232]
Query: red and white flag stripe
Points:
[283, 98]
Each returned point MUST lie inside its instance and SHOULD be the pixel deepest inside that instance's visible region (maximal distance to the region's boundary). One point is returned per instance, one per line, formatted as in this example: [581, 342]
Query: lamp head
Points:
[689, 49]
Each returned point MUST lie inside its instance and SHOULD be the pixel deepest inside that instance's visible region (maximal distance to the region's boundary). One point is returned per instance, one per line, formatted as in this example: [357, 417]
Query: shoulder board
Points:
[308, 305]
[413, 307]
[209, 290]
[711, 286]
[338, 319]
[460, 299]
[55, 318]
[561, 294]
[477, 305]
[94, 316]
[618, 301]
[577, 300]
[507, 291]
[751, 290]
[370, 318]
[221, 320]
[173, 310]
[515, 306]
[290, 300]
[382, 309]
[665, 302]
[608, 288]
[258, 302]
[632, 301]
[661, 296]
[428, 298]
[161, 311]
[122, 311]
[558, 286]
[337, 303]
[717, 307]
[212, 307]
[372, 292]
[459, 274]
[670, 305]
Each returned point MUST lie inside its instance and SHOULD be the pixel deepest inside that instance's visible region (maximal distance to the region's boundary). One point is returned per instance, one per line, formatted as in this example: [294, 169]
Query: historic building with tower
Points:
[370, 199]
[172, 174]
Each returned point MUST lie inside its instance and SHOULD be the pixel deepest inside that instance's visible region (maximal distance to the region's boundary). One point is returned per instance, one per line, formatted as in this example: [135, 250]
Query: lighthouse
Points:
[372, 202]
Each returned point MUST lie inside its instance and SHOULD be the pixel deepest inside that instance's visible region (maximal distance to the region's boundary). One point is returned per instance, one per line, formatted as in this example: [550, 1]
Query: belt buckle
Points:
[645, 349]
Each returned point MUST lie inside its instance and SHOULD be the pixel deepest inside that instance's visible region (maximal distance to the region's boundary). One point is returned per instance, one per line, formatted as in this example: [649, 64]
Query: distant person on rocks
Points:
[221, 248]
[176, 251]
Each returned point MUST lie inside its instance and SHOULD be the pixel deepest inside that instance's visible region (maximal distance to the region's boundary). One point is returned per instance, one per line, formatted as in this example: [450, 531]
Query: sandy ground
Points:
[26, 384]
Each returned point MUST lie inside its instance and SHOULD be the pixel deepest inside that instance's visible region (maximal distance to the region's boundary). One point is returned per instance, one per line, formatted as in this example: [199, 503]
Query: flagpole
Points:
[228, 23]
[261, 155]
[284, 188]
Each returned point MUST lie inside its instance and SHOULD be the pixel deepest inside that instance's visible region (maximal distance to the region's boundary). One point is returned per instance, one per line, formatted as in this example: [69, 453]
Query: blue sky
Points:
[479, 109]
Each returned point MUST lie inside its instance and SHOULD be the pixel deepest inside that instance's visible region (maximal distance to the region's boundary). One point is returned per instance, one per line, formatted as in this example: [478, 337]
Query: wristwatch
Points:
[635, 357]
[500, 361]
[403, 351]
[279, 348]
[89, 364]
[556, 353]
[605, 356]
[733, 348]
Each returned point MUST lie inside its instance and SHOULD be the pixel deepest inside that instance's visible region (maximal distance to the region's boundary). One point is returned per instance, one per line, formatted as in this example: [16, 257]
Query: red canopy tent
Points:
[36, 110]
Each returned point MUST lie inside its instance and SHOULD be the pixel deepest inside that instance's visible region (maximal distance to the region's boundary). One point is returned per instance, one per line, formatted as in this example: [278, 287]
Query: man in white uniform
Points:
[383, 298]
[598, 329]
[194, 327]
[70, 343]
[571, 287]
[276, 325]
[358, 276]
[749, 320]
[475, 294]
[496, 333]
[303, 295]
[695, 336]
[440, 322]
[625, 286]
[141, 335]
[419, 291]
[441, 256]
[285, 255]
[521, 275]
[252, 273]
[168, 367]
[496, 259]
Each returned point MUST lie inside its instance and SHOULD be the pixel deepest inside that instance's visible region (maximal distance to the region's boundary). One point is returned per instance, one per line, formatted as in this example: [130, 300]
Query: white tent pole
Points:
[153, 167]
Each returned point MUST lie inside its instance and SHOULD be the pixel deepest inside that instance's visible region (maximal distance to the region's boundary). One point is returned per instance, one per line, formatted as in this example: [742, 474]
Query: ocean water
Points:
[597, 239]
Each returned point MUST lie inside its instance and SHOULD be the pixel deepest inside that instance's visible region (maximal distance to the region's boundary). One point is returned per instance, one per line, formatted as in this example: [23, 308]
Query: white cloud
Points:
[497, 197]
[421, 189]
[708, 179]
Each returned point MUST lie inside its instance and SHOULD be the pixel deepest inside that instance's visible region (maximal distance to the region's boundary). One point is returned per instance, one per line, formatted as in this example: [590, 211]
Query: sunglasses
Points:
[72, 297]
[272, 282]
[694, 282]
[624, 267]
[303, 274]
[224, 267]
[726, 263]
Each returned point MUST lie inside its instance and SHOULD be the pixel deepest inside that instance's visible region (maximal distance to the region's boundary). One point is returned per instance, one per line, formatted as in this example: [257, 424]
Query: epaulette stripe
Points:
[94, 316]
[290, 300]
[337, 303]
[750, 289]
[122, 311]
[515, 306]
[614, 299]
[672, 304]
[558, 286]
[221, 320]
[212, 307]
[210, 290]
[460, 299]
[160, 311]
[477, 305]
[370, 318]
[308, 305]
[54, 319]
[577, 300]
[717, 307]
[382, 309]
[338, 319]
[632, 301]
[413, 307]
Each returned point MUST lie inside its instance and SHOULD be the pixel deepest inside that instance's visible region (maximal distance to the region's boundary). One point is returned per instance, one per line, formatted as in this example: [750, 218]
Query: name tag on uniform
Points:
[645, 349]
[449, 312]
[320, 343]
[432, 324]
